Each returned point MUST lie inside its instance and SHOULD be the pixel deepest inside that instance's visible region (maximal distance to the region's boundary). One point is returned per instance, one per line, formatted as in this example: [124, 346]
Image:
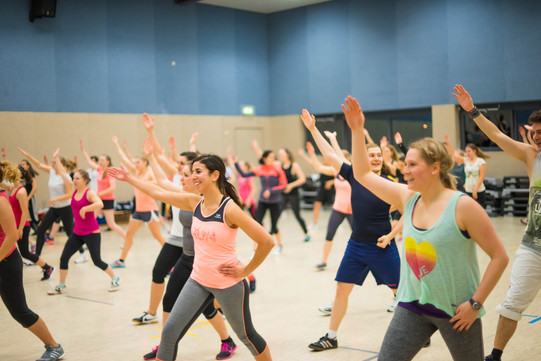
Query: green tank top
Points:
[532, 236]
[440, 266]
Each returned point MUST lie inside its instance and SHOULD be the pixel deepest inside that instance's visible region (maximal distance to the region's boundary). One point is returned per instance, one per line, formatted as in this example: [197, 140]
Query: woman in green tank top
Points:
[440, 287]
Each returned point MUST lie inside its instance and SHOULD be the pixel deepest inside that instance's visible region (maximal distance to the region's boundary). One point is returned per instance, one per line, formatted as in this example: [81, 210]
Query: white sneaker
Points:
[146, 318]
[115, 285]
[83, 257]
[392, 307]
[57, 290]
[278, 249]
[326, 309]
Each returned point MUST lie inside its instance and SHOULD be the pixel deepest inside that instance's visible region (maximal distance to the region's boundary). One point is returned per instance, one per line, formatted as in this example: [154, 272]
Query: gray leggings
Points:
[192, 301]
[408, 332]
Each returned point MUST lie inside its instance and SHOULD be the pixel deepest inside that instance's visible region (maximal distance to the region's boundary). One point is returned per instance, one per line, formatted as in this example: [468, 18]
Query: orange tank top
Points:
[342, 198]
[144, 202]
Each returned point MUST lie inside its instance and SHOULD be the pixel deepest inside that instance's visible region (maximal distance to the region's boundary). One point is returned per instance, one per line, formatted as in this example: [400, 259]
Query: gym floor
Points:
[93, 324]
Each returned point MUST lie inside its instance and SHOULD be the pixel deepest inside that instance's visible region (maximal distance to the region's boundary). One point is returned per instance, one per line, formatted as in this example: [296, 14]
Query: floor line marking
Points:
[358, 349]
[90, 300]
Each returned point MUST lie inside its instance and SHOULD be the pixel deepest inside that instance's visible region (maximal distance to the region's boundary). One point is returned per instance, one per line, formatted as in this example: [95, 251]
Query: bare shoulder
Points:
[234, 215]
[467, 211]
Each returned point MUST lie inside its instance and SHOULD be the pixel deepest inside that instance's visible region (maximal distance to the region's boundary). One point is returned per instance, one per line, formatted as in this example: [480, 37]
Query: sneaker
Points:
[326, 309]
[321, 266]
[118, 264]
[33, 248]
[28, 263]
[146, 318]
[115, 285]
[324, 343]
[393, 306]
[427, 343]
[52, 353]
[278, 249]
[49, 239]
[57, 290]
[307, 238]
[83, 257]
[47, 272]
[524, 221]
[227, 350]
[152, 354]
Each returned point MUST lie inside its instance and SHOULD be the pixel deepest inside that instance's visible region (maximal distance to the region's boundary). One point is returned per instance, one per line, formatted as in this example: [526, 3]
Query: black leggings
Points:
[335, 220]
[33, 216]
[274, 209]
[12, 290]
[168, 256]
[177, 280]
[481, 196]
[23, 246]
[295, 203]
[93, 242]
[47, 221]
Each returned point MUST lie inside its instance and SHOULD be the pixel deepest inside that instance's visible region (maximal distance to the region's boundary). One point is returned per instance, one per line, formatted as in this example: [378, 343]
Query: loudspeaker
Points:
[42, 9]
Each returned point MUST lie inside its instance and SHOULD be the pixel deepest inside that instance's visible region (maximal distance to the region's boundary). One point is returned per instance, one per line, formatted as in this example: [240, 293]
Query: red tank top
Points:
[83, 226]
[2, 234]
[16, 207]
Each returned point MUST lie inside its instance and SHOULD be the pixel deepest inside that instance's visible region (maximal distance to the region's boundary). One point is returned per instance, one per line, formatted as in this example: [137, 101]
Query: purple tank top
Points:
[82, 226]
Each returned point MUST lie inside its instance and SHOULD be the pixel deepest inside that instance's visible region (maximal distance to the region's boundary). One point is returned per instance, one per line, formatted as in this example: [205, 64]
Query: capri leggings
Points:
[169, 255]
[335, 220]
[93, 242]
[409, 331]
[24, 247]
[294, 202]
[274, 209]
[53, 213]
[193, 299]
[12, 291]
[177, 280]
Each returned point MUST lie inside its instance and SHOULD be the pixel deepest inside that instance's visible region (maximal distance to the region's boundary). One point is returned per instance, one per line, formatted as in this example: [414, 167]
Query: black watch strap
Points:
[476, 305]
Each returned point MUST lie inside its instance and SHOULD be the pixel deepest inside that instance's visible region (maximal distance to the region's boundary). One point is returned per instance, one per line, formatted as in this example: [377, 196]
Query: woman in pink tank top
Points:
[217, 273]
[146, 208]
[84, 202]
[106, 189]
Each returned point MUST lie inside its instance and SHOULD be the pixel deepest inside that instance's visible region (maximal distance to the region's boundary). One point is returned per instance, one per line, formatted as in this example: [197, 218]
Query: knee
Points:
[158, 275]
[168, 302]
[26, 318]
[64, 262]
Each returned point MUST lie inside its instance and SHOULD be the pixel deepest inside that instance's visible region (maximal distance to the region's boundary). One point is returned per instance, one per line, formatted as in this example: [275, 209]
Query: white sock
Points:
[331, 334]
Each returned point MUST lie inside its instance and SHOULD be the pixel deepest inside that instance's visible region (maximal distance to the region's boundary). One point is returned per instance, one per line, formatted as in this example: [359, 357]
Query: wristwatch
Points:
[475, 305]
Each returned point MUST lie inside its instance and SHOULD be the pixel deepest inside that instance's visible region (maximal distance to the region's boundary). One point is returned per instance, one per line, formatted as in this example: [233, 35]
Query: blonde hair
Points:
[433, 151]
[9, 172]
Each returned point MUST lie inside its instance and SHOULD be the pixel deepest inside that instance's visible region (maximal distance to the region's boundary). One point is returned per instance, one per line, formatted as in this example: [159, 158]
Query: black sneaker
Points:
[152, 354]
[47, 272]
[324, 343]
[227, 350]
[491, 358]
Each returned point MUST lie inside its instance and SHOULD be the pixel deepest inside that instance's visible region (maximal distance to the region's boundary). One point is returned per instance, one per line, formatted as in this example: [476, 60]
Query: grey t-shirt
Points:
[57, 189]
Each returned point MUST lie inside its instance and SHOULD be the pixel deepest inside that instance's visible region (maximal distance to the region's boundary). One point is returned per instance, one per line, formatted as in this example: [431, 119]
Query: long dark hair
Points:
[25, 174]
[264, 156]
[215, 163]
[32, 171]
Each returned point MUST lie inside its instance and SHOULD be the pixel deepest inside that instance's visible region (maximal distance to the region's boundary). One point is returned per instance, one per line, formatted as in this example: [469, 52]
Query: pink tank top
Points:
[2, 234]
[89, 224]
[244, 187]
[214, 243]
[144, 202]
[105, 183]
[16, 207]
[342, 198]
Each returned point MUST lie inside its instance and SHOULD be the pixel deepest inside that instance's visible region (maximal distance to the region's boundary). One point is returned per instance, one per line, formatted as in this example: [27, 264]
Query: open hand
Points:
[463, 97]
[237, 270]
[353, 112]
[308, 120]
[148, 147]
[148, 122]
[397, 138]
[464, 317]
[118, 173]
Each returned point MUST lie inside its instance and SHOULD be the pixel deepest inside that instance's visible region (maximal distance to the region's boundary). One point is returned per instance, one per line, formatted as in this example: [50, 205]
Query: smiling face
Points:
[79, 181]
[375, 159]
[202, 178]
[417, 172]
[536, 130]
[269, 160]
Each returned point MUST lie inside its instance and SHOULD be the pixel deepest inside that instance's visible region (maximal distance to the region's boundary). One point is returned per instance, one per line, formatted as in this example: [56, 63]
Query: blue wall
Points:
[115, 56]
[394, 54]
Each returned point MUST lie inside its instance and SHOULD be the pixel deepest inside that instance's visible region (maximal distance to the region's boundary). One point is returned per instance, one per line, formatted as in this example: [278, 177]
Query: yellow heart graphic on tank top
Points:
[420, 257]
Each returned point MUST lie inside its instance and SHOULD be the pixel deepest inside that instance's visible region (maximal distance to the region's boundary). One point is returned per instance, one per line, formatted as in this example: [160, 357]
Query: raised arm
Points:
[399, 143]
[193, 141]
[35, 161]
[456, 157]
[390, 192]
[174, 153]
[149, 124]
[518, 150]
[184, 201]
[89, 160]
[4, 153]
[326, 149]
[161, 178]
[256, 149]
[127, 161]
[336, 146]
[68, 182]
[314, 161]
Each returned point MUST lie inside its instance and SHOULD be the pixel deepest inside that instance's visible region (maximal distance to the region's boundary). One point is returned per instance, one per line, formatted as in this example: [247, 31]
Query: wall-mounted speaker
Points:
[42, 9]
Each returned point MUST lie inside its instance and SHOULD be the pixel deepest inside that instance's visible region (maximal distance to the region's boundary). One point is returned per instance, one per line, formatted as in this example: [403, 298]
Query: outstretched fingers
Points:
[308, 120]
[353, 113]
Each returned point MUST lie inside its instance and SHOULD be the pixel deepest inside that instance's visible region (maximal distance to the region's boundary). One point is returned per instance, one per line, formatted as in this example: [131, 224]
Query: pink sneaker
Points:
[228, 348]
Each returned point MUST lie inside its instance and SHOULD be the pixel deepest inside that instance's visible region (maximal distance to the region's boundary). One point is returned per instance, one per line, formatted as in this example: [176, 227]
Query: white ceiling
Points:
[262, 6]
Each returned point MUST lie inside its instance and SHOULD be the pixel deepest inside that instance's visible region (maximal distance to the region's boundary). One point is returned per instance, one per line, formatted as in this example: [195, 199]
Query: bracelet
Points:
[474, 113]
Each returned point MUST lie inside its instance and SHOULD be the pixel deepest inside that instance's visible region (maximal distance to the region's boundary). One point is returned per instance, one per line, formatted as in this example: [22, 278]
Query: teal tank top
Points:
[532, 236]
[439, 265]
